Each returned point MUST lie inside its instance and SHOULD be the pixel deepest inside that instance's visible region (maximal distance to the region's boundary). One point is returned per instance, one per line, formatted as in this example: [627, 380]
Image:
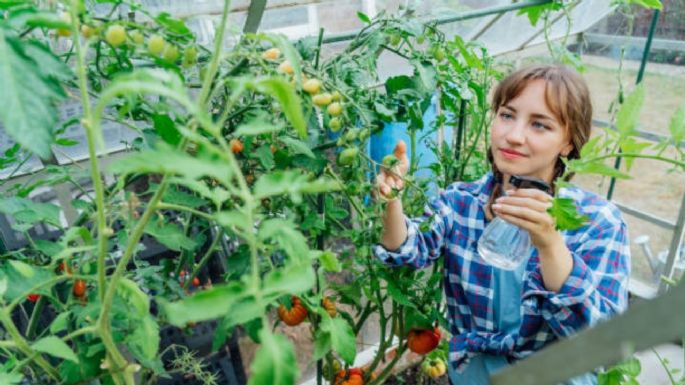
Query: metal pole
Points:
[674, 248]
[254, 16]
[458, 17]
[640, 75]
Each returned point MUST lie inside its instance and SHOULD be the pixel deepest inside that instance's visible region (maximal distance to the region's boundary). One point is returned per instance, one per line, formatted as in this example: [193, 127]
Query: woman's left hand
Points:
[527, 208]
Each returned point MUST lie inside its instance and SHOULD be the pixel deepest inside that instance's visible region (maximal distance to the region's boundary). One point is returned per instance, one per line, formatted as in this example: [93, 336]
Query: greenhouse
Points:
[347, 193]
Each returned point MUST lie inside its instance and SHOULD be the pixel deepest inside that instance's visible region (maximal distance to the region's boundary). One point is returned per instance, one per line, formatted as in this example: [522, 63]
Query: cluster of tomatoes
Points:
[297, 312]
[116, 35]
[79, 288]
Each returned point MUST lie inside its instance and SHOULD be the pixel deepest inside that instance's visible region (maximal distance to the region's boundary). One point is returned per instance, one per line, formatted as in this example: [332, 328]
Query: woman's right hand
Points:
[389, 182]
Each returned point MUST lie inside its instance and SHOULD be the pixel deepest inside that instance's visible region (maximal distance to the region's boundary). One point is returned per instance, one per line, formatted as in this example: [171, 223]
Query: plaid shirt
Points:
[596, 289]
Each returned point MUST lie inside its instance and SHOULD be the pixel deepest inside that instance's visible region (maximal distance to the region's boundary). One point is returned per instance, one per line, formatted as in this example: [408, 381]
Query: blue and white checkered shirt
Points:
[596, 289]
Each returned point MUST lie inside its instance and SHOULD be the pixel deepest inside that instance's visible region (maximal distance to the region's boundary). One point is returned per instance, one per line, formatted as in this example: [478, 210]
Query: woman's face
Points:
[526, 138]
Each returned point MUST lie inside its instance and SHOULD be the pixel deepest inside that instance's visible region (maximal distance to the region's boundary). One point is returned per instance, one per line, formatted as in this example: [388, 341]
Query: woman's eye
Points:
[540, 126]
[506, 115]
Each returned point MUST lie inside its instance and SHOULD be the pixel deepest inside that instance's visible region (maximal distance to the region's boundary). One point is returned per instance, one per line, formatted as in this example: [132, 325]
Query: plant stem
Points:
[218, 47]
[635, 155]
[90, 136]
[204, 259]
[171, 206]
[24, 346]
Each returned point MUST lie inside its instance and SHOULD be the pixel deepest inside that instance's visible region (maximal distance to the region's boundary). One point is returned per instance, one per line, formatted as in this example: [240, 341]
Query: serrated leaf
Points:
[55, 347]
[170, 235]
[329, 261]
[286, 235]
[297, 146]
[677, 126]
[11, 378]
[205, 305]
[628, 115]
[566, 215]
[144, 340]
[342, 337]
[630, 145]
[282, 91]
[274, 363]
[395, 293]
[129, 291]
[167, 160]
[28, 97]
[295, 278]
[595, 167]
[257, 125]
[22, 268]
[59, 323]
[291, 182]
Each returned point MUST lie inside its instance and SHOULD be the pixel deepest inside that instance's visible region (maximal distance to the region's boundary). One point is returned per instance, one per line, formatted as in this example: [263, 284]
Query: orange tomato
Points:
[293, 316]
[329, 305]
[79, 289]
[237, 146]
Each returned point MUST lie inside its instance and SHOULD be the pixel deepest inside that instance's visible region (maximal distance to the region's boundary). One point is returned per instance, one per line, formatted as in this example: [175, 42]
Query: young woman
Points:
[570, 280]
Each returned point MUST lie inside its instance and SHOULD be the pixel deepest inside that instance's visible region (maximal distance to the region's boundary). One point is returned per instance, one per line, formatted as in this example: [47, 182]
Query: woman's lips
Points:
[511, 154]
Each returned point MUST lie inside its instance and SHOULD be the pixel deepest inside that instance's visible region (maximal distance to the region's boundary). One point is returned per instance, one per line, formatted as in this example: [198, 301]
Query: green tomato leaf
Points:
[329, 261]
[677, 126]
[566, 215]
[628, 115]
[279, 89]
[293, 279]
[11, 378]
[286, 235]
[55, 347]
[170, 235]
[342, 337]
[274, 363]
[363, 17]
[30, 93]
[205, 305]
[59, 323]
[129, 291]
[144, 340]
[168, 160]
[297, 146]
[258, 125]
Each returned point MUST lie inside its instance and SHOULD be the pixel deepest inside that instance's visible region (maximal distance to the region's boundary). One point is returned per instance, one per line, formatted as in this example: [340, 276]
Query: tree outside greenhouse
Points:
[165, 194]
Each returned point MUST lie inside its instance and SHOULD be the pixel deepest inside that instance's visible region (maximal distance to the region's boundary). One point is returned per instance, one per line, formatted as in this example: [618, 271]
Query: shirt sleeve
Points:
[597, 287]
[426, 235]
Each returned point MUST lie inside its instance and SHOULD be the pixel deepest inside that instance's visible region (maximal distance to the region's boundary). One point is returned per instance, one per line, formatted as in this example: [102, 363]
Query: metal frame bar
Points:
[451, 19]
[254, 16]
[542, 30]
[604, 344]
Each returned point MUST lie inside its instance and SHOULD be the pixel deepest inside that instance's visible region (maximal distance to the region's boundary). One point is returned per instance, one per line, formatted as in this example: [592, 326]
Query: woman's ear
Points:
[566, 150]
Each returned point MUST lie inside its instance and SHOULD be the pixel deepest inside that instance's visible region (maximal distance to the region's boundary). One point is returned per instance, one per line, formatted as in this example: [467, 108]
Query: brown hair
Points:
[568, 98]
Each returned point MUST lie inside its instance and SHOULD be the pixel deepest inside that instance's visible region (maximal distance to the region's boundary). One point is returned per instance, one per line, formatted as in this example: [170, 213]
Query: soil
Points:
[414, 376]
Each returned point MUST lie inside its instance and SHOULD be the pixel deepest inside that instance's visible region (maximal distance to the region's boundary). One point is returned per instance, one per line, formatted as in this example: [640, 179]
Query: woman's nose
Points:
[516, 133]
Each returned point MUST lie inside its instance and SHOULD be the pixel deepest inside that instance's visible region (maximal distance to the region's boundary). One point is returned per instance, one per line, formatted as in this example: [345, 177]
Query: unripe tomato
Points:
[33, 297]
[137, 37]
[249, 178]
[395, 39]
[189, 56]
[330, 371]
[347, 156]
[335, 124]
[155, 45]
[286, 68]
[115, 35]
[271, 54]
[237, 146]
[79, 289]
[312, 86]
[336, 96]
[329, 305]
[323, 99]
[351, 135]
[389, 161]
[364, 134]
[438, 53]
[420, 39]
[334, 109]
[170, 53]
[434, 368]
[87, 31]
[293, 316]
[423, 341]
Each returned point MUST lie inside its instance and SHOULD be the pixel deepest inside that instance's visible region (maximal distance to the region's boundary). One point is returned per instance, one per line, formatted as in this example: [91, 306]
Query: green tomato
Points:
[115, 35]
[170, 53]
[420, 39]
[439, 53]
[395, 39]
[335, 124]
[137, 37]
[351, 135]
[155, 45]
[347, 156]
[190, 56]
[390, 160]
